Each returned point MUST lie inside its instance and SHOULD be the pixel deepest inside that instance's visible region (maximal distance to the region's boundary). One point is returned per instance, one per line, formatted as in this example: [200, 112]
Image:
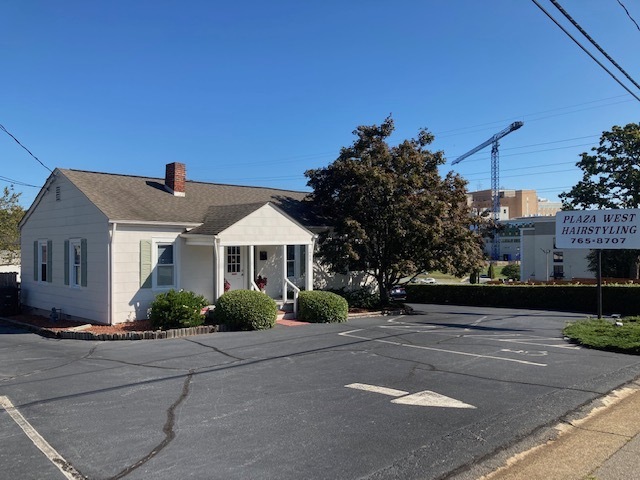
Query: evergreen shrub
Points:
[322, 307]
[246, 310]
[177, 309]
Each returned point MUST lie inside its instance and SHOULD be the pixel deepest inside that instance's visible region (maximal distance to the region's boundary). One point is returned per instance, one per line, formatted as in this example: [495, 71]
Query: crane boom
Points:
[495, 176]
[495, 138]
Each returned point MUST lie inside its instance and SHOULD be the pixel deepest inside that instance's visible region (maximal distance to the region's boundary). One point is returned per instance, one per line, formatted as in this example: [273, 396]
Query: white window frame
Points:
[292, 261]
[159, 242]
[75, 270]
[43, 261]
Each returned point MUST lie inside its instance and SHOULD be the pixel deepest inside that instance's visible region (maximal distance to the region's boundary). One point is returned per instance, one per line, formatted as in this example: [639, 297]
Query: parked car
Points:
[398, 293]
[426, 280]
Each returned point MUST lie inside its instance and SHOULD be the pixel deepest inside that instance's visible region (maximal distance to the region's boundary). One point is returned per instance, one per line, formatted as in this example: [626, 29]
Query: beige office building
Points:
[513, 204]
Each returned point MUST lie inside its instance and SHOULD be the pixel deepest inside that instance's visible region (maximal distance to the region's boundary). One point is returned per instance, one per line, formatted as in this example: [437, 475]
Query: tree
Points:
[511, 271]
[10, 215]
[610, 179]
[391, 213]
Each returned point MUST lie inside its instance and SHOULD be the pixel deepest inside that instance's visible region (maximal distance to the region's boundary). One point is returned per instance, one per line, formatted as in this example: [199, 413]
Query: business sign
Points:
[598, 229]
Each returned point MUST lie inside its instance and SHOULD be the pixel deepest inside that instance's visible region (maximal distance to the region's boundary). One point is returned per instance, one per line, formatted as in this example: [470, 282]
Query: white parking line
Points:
[54, 457]
[524, 342]
[454, 352]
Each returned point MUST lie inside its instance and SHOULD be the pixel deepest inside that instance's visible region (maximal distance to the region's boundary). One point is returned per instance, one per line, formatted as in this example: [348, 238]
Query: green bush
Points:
[246, 310]
[360, 298]
[511, 271]
[322, 307]
[177, 309]
[491, 273]
[622, 299]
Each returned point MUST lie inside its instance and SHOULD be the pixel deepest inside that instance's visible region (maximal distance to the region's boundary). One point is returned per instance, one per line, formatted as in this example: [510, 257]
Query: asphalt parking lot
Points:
[422, 396]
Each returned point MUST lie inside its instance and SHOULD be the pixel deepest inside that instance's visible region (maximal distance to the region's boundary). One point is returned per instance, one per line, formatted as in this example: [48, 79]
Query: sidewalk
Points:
[604, 445]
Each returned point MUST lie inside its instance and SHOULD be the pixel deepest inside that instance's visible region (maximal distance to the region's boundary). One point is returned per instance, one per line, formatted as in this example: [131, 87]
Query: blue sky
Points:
[256, 92]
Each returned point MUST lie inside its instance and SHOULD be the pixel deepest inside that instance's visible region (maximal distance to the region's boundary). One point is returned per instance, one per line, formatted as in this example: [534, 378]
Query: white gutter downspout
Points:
[112, 234]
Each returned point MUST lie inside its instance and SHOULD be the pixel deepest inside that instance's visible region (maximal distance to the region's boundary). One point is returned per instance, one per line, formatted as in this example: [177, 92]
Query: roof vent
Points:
[175, 178]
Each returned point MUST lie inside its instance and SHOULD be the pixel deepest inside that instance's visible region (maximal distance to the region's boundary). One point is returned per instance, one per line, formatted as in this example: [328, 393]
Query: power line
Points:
[628, 14]
[16, 182]
[28, 151]
[593, 42]
[585, 50]
[510, 119]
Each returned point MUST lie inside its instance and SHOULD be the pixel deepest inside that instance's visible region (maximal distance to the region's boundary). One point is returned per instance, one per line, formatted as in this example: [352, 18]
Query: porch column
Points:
[251, 270]
[220, 263]
[308, 280]
[284, 273]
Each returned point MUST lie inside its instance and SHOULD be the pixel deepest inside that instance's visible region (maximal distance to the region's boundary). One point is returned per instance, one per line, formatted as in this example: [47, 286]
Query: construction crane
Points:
[495, 177]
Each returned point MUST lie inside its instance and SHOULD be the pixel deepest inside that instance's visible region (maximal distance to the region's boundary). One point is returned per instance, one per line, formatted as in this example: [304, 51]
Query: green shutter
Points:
[83, 262]
[145, 264]
[66, 262]
[36, 267]
[49, 261]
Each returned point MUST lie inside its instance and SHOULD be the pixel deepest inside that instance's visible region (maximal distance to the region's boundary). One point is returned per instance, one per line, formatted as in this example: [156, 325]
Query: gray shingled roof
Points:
[125, 197]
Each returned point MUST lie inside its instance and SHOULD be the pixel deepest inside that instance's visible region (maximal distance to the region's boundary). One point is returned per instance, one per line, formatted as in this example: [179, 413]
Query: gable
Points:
[266, 225]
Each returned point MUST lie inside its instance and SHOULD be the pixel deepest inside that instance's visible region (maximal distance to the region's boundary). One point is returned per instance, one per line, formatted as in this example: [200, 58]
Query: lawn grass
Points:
[605, 335]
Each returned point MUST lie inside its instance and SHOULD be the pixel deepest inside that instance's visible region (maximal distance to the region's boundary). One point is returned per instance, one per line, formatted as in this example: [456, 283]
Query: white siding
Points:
[265, 226]
[73, 216]
[197, 270]
[130, 302]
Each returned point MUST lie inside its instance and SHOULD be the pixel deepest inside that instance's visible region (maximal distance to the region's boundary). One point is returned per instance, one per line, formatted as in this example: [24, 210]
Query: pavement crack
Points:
[167, 430]
[41, 370]
[217, 350]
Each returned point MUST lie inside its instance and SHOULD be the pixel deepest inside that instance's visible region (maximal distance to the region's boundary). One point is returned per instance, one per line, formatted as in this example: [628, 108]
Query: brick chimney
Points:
[175, 178]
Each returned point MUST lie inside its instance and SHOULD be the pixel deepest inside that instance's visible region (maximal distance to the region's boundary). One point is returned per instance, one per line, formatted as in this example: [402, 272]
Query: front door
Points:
[234, 273]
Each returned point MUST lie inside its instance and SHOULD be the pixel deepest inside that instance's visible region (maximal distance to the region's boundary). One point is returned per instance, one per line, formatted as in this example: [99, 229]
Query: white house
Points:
[100, 246]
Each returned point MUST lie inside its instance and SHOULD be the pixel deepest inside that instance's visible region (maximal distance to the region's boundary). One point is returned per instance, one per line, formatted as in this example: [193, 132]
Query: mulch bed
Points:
[67, 325]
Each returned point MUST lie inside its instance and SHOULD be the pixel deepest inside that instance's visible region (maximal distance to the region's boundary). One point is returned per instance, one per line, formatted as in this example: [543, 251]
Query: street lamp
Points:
[546, 252]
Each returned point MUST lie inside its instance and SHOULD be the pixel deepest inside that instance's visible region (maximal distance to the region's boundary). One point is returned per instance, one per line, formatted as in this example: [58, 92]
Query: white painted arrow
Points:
[425, 398]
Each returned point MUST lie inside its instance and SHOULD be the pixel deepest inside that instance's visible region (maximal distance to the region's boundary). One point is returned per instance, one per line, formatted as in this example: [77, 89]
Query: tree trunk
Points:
[384, 293]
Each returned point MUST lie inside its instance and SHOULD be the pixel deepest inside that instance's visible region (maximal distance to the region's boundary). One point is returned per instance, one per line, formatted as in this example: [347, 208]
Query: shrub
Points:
[177, 309]
[491, 273]
[511, 271]
[322, 307]
[246, 310]
[360, 298]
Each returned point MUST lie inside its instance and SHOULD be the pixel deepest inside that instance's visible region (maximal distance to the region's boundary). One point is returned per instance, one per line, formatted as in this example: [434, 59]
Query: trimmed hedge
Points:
[622, 299]
[177, 309]
[319, 306]
[246, 310]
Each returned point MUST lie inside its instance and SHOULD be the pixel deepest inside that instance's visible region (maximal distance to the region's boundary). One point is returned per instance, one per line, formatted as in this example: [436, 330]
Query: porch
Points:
[256, 241]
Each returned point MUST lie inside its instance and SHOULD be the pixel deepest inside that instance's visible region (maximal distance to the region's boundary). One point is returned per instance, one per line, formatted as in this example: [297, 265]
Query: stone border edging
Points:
[147, 335]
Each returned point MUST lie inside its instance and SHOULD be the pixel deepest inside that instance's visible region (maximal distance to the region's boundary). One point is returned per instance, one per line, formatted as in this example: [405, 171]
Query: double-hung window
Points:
[42, 261]
[158, 263]
[75, 262]
[165, 267]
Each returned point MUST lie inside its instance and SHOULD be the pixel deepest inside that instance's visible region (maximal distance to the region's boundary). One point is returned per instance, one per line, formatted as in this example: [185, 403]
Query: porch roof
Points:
[220, 217]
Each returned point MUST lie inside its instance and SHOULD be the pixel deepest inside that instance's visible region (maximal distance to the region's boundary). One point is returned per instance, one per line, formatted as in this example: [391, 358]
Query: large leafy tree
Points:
[10, 215]
[391, 213]
[610, 179]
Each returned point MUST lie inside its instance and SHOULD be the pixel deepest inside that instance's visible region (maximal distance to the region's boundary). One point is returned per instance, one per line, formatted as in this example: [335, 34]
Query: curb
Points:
[148, 335]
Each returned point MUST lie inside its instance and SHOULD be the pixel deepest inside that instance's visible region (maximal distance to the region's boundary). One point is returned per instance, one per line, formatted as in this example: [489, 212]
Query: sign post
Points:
[599, 230]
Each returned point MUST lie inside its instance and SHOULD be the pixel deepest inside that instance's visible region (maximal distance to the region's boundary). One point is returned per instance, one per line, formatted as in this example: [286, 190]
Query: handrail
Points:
[254, 286]
[296, 291]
